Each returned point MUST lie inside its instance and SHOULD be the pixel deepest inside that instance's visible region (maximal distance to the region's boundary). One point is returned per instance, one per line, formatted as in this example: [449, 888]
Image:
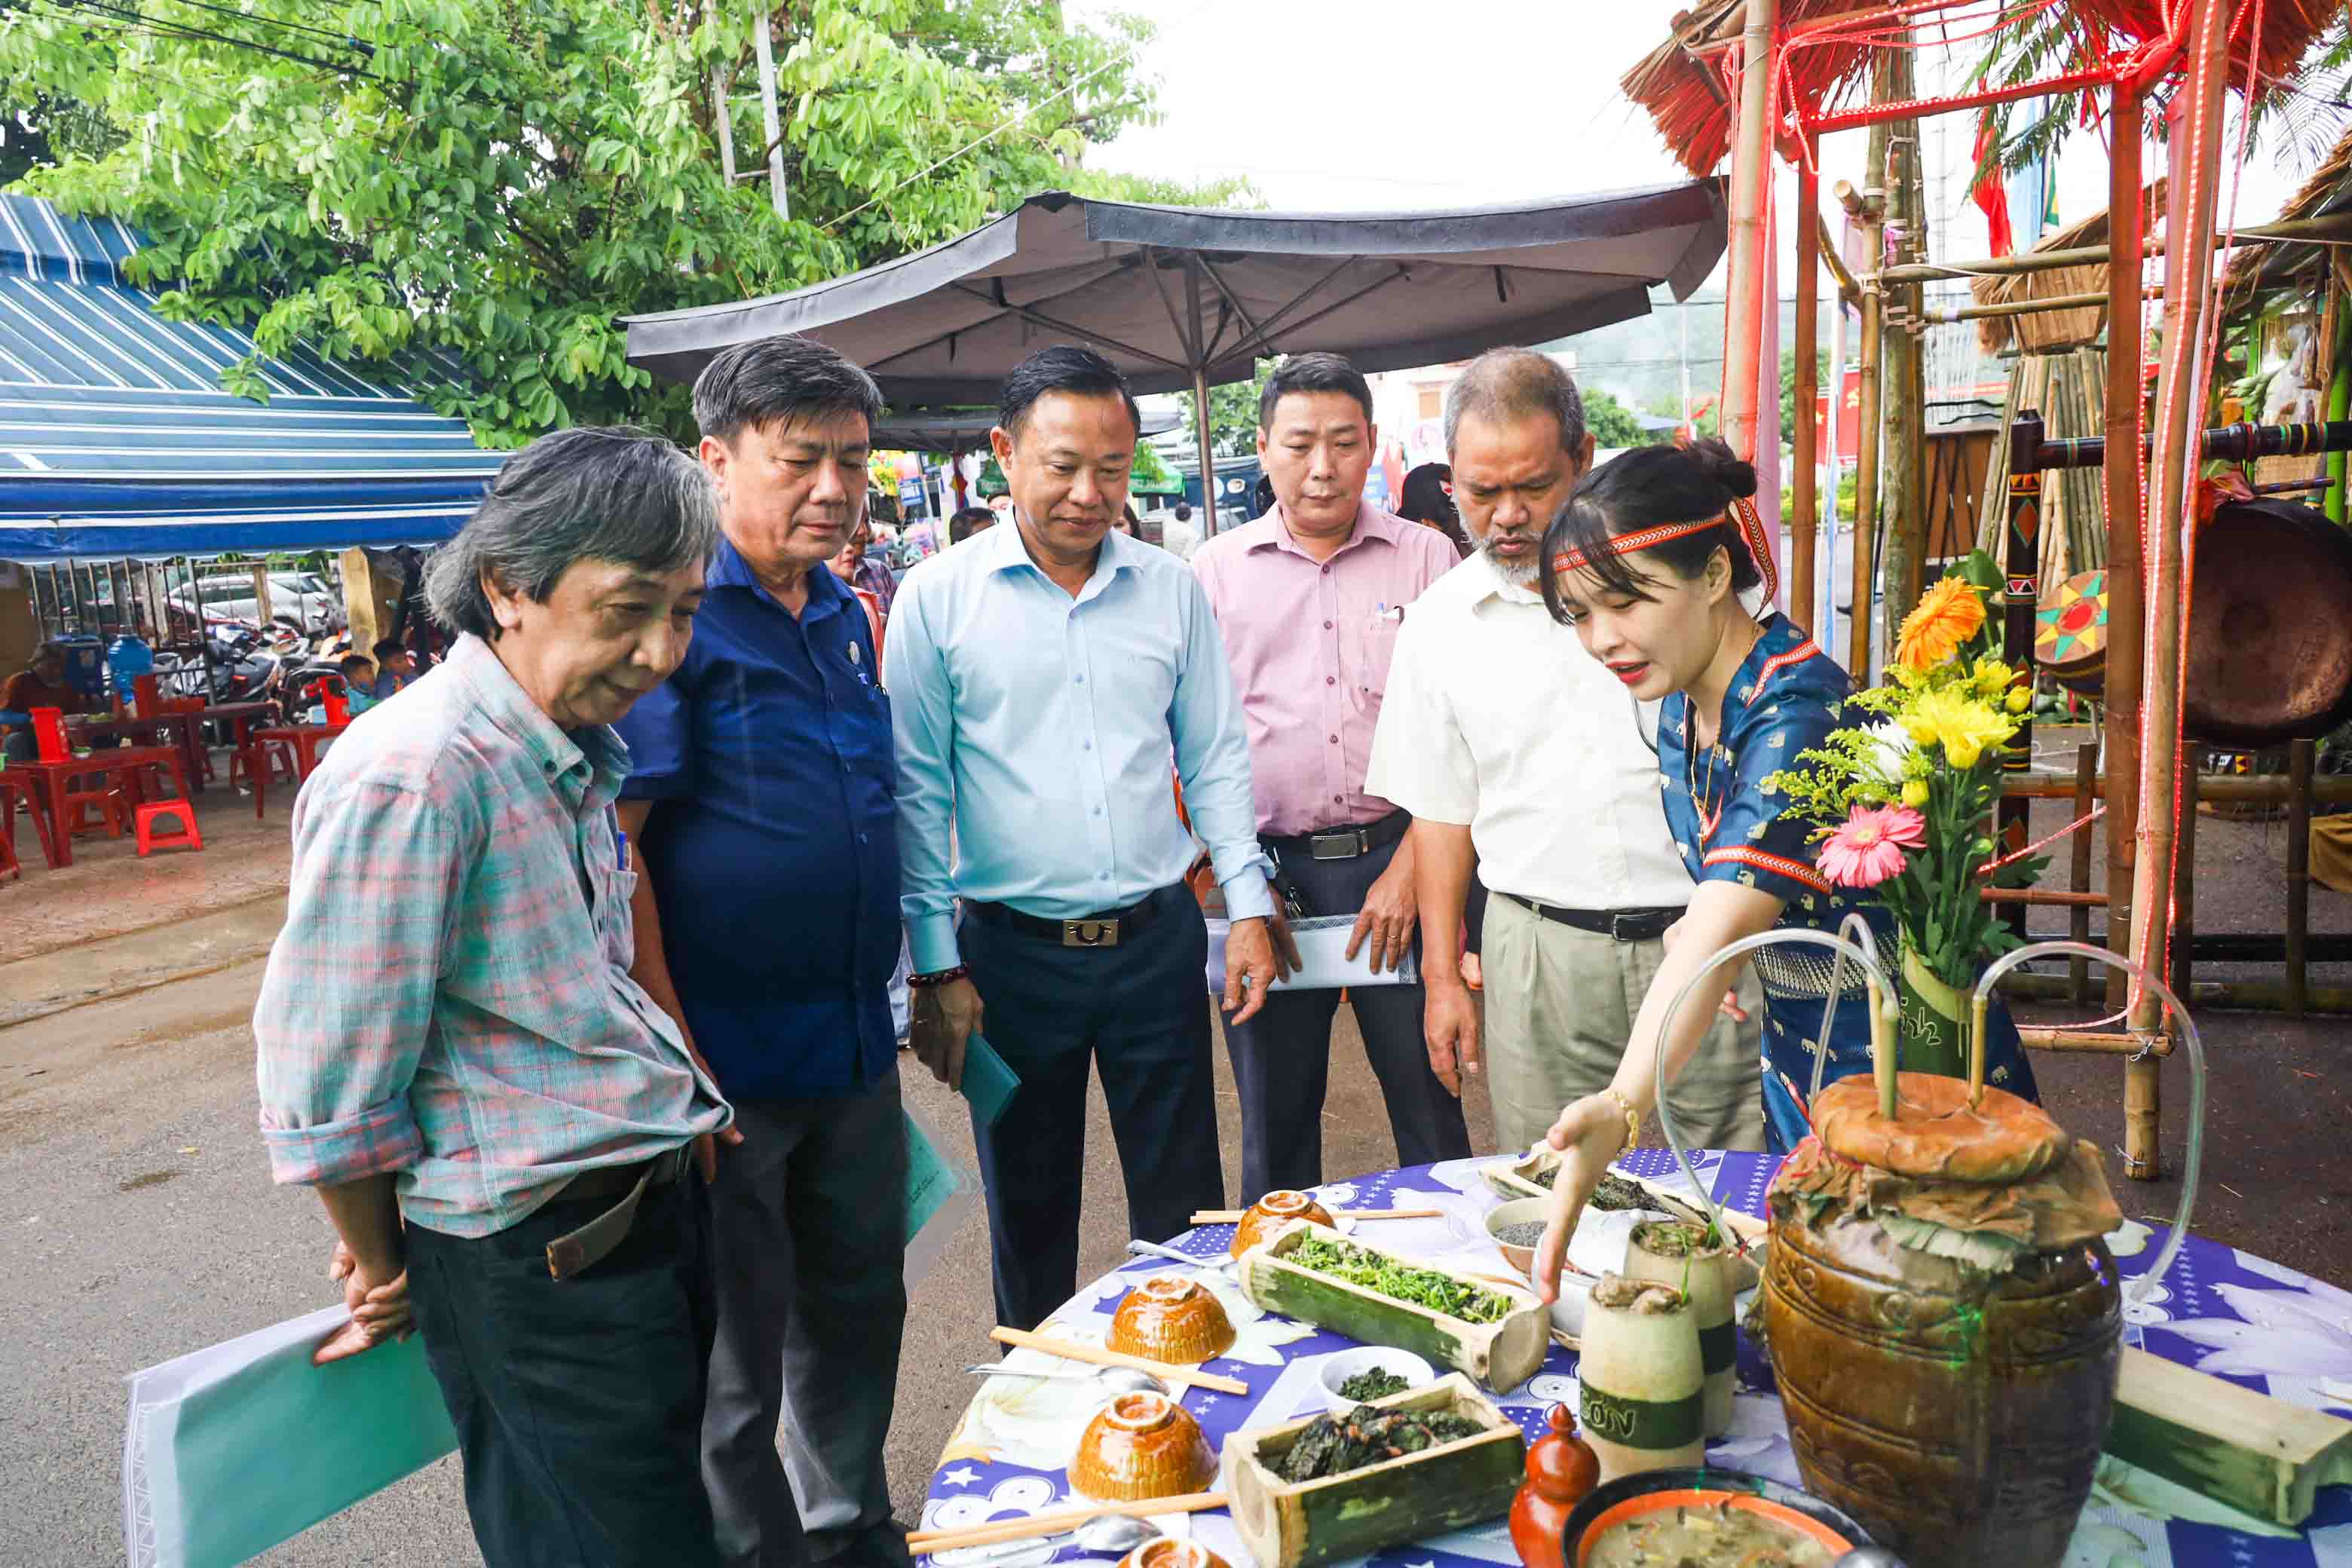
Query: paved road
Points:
[140, 1223]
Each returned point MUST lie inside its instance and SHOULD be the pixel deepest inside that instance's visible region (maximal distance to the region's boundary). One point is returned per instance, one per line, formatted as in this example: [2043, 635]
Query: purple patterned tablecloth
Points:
[2219, 1310]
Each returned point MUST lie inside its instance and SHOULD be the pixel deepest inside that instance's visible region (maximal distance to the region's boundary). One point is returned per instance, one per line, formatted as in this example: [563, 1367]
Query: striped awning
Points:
[116, 440]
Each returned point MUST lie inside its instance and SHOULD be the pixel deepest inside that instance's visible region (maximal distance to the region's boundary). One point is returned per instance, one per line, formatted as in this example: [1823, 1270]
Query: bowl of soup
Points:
[1704, 1518]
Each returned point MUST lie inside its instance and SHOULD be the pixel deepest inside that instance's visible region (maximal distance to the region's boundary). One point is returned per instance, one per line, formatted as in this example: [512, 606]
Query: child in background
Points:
[395, 669]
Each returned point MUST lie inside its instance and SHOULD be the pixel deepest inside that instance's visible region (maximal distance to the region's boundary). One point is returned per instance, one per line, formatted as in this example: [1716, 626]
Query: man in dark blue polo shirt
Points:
[761, 812]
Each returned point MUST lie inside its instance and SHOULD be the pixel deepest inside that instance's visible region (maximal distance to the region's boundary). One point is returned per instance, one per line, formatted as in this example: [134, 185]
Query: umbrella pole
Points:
[1751, 189]
[1208, 457]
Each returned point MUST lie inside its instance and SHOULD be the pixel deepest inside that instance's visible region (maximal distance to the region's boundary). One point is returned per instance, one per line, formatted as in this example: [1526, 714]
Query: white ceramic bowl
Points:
[1337, 1369]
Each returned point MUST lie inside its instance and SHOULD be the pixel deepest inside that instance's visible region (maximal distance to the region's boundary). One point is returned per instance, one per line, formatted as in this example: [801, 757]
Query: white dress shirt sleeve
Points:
[1212, 759]
[1420, 760]
[923, 721]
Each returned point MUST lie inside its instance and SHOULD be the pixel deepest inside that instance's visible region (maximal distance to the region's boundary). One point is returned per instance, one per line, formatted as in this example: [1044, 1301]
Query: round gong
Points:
[2270, 627]
[2070, 631]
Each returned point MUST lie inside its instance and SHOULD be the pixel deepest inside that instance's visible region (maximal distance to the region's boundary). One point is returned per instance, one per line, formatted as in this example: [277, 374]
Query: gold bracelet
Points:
[1633, 1117]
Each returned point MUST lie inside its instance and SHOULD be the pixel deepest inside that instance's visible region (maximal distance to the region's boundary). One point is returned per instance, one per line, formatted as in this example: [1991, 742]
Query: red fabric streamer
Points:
[1988, 192]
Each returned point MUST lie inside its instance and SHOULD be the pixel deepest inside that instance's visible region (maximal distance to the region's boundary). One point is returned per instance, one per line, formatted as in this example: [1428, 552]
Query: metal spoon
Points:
[1115, 1380]
[1104, 1535]
[1868, 1557]
[1153, 1250]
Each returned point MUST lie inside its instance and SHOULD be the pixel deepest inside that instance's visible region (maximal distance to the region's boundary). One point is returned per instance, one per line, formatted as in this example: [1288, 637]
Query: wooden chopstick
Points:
[1061, 1519]
[1097, 1355]
[1233, 1216]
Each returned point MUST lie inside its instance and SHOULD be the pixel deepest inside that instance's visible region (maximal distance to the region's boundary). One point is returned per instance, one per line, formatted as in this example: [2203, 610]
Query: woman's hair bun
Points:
[1716, 460]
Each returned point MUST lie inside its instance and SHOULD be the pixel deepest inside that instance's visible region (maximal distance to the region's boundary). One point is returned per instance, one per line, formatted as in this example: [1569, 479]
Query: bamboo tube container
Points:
[1641, 1381]
[1668, 1252]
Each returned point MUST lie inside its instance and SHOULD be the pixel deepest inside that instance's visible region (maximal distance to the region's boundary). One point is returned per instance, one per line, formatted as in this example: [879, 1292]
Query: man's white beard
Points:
[1521, 574]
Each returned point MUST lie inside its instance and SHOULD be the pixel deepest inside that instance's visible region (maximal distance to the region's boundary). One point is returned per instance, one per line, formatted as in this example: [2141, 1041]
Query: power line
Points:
[166, 27]
[339, 38]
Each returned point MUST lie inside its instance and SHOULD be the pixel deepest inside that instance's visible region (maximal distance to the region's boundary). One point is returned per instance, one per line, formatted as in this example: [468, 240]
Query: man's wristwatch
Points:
[1633, 1117]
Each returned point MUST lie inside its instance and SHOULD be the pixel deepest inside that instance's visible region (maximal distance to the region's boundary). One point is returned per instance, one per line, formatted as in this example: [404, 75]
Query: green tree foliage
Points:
[1233, 414]
[472, 190]
[1613, 426]
[1151, 475]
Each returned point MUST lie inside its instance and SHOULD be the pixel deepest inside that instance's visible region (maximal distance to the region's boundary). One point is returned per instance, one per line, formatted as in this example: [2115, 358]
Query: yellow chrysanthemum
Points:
[1914, 794]
[1993, 678]
[2019, 700]
[1961, 725]
[1949, 614]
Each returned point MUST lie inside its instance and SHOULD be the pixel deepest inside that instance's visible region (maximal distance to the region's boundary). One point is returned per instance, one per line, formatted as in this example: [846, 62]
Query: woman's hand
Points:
[1589, 1134]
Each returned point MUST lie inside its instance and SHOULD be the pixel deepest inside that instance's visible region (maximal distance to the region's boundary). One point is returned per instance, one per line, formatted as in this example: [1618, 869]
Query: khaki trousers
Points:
[1560, 1005]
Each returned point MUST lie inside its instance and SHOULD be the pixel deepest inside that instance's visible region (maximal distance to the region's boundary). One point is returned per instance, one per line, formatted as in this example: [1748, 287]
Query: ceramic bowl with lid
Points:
[1271, 1213]
[1138, 1446]
[1169, 1552]
[1171, 1320]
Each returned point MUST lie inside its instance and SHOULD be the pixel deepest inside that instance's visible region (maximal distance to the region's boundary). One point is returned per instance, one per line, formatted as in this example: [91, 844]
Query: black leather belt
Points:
[1345, 843]
[1618, 925]
[1107, 928]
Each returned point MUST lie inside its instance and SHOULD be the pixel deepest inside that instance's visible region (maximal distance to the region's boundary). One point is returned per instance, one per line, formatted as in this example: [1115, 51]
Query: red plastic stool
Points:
[151, 839]
[9, 865]
[106, 802]
[262, 762]
[16, 792]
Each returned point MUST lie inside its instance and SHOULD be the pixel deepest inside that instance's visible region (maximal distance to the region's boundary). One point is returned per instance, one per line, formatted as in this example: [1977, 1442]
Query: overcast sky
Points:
[1382, 105]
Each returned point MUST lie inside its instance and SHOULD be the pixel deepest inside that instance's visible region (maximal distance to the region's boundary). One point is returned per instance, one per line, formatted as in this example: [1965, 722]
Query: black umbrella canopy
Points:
[1178, 297]
[964, 429]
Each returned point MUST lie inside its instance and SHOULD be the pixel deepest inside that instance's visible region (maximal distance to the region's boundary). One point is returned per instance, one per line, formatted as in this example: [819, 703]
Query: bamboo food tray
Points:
[1501, 1355]
[1411, 1498]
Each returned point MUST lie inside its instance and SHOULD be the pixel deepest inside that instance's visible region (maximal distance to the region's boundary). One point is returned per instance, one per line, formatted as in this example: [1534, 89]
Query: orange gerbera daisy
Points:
[1949, 614]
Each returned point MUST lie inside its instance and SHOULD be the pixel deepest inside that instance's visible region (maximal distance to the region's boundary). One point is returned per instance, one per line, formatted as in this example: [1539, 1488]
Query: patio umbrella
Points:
[1181, 298]
[962, 430]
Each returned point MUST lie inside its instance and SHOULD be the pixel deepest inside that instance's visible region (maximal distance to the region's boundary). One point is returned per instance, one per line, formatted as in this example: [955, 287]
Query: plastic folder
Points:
[1322, 944]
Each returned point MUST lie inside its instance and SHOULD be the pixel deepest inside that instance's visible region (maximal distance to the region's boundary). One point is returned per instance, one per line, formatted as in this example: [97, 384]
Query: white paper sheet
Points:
[1322, 948]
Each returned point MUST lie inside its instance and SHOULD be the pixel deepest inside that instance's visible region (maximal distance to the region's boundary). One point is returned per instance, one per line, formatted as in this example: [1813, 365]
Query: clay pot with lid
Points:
[1172, 1319]
[1561, 1468]
[1141, 1446]
[1270, 1214]
[1955, 1406]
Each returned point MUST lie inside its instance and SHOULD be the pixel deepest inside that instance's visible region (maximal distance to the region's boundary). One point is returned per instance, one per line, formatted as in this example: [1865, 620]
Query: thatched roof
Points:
[2329, 190]
[1684, 85]
[2047, 332]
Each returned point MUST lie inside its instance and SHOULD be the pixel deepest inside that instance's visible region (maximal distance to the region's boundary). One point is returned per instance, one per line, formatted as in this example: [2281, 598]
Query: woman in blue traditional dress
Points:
[1648, 560]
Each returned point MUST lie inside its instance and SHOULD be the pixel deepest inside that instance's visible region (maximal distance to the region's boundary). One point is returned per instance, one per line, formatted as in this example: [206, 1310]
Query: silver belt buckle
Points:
[1345, 846]
[1089, 933]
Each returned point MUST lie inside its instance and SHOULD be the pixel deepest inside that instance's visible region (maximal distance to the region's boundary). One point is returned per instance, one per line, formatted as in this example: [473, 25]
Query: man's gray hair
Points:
[1503, 385]
[617, 494]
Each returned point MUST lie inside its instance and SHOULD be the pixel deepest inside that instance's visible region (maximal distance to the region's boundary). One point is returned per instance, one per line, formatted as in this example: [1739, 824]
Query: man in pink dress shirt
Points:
[1308, 599]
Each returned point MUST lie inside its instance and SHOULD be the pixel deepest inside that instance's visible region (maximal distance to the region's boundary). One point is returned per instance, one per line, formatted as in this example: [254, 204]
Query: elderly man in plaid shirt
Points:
[504, 1127]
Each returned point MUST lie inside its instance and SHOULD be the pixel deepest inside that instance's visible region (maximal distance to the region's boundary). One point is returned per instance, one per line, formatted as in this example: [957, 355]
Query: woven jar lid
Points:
[1934, 1135]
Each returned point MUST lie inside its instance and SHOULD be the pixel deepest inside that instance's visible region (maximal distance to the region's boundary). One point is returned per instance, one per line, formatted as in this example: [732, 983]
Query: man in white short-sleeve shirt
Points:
[1520, 755]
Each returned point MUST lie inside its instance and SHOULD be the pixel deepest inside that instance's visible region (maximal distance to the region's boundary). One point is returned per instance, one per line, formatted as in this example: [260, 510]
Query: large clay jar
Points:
[1639, 1378]
[1171, 1320]
[1141, 1446]
[1955, 1404]
[1561, 1468]
[1270, 1214]
[1674, 1252]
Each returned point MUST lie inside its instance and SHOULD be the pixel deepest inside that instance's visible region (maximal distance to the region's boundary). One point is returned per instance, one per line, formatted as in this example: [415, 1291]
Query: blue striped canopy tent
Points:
[116, 440]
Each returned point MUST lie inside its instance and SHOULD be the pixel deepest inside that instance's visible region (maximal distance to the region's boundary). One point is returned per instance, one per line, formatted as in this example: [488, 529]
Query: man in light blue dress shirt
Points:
[1041, 679]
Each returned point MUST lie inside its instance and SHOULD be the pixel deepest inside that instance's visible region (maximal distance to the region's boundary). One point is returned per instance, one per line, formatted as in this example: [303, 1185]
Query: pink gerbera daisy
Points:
[1867, 847]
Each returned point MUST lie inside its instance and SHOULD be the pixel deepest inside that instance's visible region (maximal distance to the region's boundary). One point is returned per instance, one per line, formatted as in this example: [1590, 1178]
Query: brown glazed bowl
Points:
[1168, 1319]
[1270, 1214]
[1169, 1552]
[1138, 1446]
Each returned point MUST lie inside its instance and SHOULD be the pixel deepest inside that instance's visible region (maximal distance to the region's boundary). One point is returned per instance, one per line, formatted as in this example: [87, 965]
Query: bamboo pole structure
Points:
[1804, 512]
[2120, 479]
[1750, 200]
[2030, 307]
[2330, 228]
[2300, 763]
[2078, 869]
[2196, 150]
[1869, 209]
[1902, 368]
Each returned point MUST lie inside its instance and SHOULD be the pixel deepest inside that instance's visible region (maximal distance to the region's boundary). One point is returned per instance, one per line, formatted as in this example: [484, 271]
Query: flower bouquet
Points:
[1904, 802]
